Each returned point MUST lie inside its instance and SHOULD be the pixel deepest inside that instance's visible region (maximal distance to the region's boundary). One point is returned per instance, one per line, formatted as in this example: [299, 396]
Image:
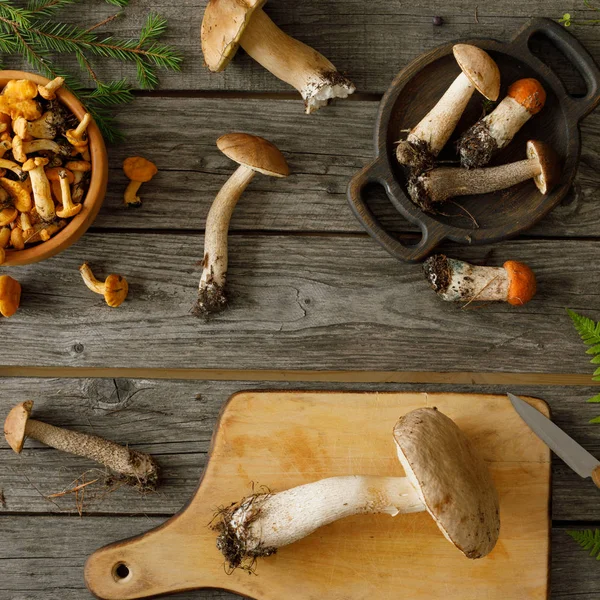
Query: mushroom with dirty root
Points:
[254, 155]
[444, 476]
[426, 140]
[458, 281]
[228, 24]
[525, 98]
[114, 289]
[10, 295]
[139, 170]
[438, 185]
[135, 468]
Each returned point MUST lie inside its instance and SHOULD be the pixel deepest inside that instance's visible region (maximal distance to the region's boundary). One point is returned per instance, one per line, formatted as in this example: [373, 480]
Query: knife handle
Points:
[596, 476]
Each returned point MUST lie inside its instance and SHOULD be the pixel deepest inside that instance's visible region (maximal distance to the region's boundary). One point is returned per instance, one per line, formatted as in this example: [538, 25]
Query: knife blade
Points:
[575, 455]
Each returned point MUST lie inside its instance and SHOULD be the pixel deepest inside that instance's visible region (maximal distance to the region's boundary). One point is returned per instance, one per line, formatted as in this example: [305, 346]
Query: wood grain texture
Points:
[174, 420]
[322, 303]
[333, 147]
[371, 42]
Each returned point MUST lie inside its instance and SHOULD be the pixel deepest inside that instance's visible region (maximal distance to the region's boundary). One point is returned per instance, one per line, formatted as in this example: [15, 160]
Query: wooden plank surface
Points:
[175, 420]
[371, 41]
[334, 145]
[322, 303]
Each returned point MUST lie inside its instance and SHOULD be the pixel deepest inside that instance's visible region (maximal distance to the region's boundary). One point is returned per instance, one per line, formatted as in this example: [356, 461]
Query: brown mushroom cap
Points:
[222, 28]
[15, 423]
[480, 68]
[138, 168]
[451, 479]
[116, 290]
[549, 164]
[522, 284]
[255, 153]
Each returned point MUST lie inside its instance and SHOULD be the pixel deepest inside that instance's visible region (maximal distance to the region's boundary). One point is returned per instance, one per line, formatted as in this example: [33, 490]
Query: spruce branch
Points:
[588, 540]
[31, 33]
[567, 19]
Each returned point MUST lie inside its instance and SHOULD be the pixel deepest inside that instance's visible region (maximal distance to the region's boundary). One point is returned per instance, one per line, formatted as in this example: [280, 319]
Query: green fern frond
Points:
[589, 332]
[588, 540]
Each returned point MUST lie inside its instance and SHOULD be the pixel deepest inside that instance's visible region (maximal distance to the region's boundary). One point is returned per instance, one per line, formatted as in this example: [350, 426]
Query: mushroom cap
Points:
[522, 285]
[549, 165]
[8, 215]
[20, 194]
[255, 153]
[15, 424]
[138, 168]
[480, 68]
[34, 163]
[529, 93]
[451, 479]
[10, 295]
[222, 28]
[20, 89]
[116, 290]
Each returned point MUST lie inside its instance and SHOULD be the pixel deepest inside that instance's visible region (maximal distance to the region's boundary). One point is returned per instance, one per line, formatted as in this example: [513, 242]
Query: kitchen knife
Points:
[576, 456]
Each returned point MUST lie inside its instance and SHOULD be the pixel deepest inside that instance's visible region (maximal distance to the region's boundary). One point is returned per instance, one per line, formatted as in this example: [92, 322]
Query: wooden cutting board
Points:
[283, 439]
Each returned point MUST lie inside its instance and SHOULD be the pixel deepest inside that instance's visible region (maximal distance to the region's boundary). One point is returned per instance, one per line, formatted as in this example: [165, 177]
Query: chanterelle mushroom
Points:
[114, 289]
[525, 98]
[437, 185]
[253, 154]
[227, 24]
[67, 208]
[136, 468]
[444, 476]
[10, 295]
[426, 140]
[458, 281]
[139, 170]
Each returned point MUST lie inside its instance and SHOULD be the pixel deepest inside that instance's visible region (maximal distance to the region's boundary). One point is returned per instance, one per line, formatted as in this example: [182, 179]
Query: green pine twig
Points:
[567, 20]
[588, 540]
[31, 33]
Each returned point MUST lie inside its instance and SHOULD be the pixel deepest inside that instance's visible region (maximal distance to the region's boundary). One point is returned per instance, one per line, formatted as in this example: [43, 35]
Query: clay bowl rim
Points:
[94, 198]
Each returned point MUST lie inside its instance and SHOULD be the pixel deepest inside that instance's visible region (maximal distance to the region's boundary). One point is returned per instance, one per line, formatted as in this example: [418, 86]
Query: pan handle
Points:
[377, 172]
[576, 54]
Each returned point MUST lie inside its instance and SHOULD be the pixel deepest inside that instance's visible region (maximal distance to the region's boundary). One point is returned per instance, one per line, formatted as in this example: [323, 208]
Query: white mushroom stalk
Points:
[42, 193]
[438, 185]
[438, 460]
[227, 24]
[426, 140]
[67, 209]
[477, 146]
[135, 468]
[253, 154]
[313, 75]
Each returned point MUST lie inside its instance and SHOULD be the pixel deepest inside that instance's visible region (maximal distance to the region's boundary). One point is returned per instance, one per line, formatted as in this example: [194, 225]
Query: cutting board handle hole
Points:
[121, 572]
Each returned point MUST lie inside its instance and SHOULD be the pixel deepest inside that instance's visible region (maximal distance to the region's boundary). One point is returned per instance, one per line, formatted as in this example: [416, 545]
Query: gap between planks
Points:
[424, 377]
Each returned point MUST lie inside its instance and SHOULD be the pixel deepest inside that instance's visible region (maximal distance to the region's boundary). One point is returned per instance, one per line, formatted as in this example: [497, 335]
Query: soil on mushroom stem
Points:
[419, 156]
[477, 146]
[233, 541]
[438, 272]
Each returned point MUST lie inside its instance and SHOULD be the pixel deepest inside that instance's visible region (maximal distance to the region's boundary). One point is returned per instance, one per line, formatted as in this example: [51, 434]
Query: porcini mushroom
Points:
[42, 194]
[135, 468]
[443, 476]
[525, 98]
[68, 209]
[227, 24]
[139, 170]
[458, 281]
[48, 91]
[10, 295]
[435, 186]
[253, 154]
[114, 289]
[426, 140]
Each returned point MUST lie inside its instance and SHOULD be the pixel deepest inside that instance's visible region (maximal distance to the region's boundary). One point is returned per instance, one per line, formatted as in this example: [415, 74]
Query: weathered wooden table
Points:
[316, 303]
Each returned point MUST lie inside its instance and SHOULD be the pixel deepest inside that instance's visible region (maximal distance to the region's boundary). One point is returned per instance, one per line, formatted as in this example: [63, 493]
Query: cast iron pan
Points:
[503, 214]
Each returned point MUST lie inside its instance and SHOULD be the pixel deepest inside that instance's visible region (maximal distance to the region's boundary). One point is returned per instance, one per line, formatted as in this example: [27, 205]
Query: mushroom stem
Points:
[262, 523]
[68, 208]
[131, 197]
[139, 467]
[446, 182]
[437, 126]
[90, 280]
[292, 61]
[42, 193]
[211, 293]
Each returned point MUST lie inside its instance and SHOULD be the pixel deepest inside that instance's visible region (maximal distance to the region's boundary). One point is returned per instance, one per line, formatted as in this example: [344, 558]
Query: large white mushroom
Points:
[228, 24]
[426, 140]
[443, 476]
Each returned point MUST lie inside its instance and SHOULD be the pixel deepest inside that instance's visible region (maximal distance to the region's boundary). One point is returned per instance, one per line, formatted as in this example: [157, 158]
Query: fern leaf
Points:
[588, 540]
